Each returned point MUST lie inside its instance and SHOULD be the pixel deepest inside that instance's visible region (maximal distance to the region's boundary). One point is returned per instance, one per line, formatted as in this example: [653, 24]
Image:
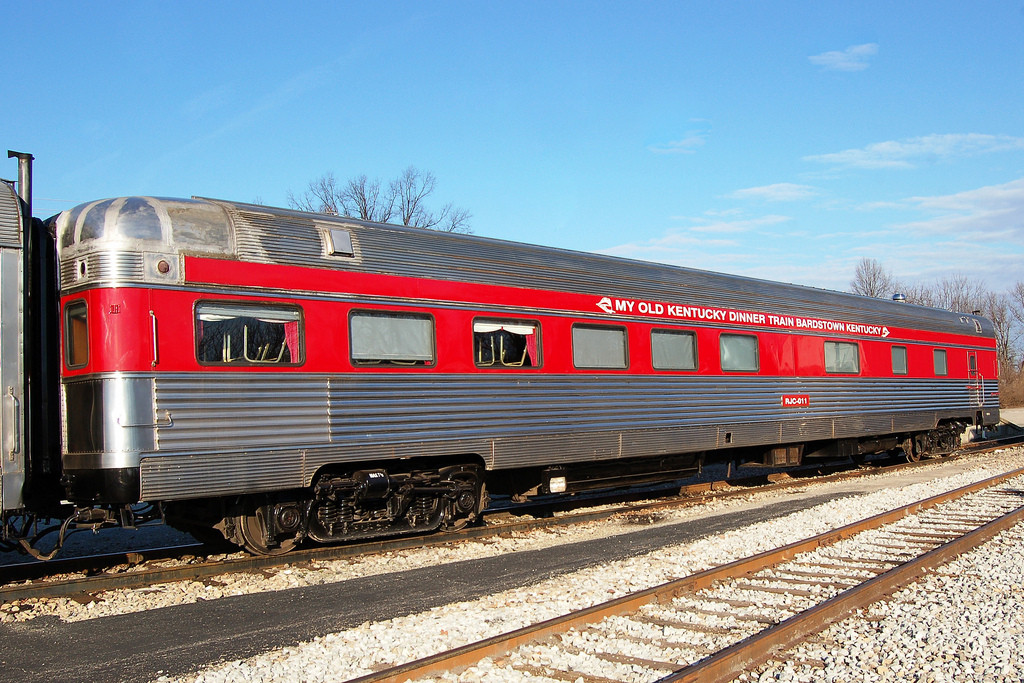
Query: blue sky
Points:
[782, 140]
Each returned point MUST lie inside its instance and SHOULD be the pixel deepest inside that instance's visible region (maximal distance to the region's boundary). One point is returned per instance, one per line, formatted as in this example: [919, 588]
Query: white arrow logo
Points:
[885, 332]
[605, 304]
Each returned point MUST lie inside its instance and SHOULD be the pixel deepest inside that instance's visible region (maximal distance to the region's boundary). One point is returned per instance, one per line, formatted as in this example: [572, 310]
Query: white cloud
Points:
[709, 244]
[993, 213]
[737, 226]
[853, 58]
[912, 152]
[691, 140]
[779, 192]
[978, 232]
[685, 145]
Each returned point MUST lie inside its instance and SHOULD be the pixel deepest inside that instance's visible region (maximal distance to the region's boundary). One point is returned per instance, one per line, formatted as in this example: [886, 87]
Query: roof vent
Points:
[339, 242]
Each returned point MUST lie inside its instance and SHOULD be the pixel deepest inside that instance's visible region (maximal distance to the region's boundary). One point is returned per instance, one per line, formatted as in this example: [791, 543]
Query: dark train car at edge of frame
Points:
[271, 375]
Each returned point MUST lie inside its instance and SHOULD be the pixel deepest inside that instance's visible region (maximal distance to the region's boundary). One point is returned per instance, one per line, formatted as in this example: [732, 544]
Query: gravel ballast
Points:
[373, 645]
[964, 622]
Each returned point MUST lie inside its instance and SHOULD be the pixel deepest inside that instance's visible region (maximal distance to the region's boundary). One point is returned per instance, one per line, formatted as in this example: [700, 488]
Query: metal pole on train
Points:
[24, 177]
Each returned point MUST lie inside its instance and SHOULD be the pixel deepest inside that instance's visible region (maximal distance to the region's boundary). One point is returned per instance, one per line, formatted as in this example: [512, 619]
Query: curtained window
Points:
[244, 334]
[505, 344]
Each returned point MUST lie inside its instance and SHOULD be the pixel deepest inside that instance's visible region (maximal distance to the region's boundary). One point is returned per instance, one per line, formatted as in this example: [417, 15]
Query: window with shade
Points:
[899, 360]
[842, 357]
[506, 344]
[245, 334]
[391, 338]
[673, 350]
[600, 346]
[739, 352]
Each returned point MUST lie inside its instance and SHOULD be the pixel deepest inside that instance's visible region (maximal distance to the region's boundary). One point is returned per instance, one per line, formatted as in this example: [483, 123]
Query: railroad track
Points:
[714, 625]
[133, 570]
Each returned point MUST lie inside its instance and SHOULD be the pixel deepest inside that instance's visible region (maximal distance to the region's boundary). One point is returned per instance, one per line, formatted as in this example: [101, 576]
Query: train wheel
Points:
[469, 503]
[912, 450]
[252, 531]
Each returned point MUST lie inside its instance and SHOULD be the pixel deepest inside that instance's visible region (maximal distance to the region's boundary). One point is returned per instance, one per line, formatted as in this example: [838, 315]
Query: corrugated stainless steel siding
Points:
[219, 474]
[288, 237]
[236, 412]
[233, 433]
[10, 217]
[365, 413]
[270, 238]
[112, 267]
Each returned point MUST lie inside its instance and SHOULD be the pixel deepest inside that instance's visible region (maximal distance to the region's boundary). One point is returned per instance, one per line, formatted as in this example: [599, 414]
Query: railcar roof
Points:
[10, 217]
[273, 235]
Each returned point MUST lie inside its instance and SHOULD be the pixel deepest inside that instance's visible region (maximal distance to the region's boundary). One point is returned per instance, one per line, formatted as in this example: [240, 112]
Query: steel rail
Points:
[747, 654]
[34, 570]
[496, 646]
[693, 495]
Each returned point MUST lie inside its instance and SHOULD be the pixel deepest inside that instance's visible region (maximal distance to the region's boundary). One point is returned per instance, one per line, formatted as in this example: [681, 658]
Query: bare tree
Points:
[871, 278]
[998, 309]
[367, 199]
[1016, 297]
[410, 190]
[321, 196]
[402, 200]
[960, 294]
[916, 293]
[454, 220]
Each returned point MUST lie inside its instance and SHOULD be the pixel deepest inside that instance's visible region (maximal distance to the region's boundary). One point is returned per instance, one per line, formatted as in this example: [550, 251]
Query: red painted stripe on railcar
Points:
[121, 327]
[291, 278]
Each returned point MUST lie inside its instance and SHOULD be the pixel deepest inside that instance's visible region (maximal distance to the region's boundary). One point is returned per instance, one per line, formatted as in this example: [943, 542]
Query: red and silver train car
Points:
[278, 375]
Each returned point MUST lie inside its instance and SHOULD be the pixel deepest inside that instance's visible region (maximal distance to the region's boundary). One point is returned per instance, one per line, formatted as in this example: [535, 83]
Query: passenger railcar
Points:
[278, 375]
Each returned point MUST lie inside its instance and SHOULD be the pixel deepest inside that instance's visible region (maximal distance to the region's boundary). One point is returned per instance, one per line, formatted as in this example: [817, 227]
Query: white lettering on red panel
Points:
[796, 400]
[728, 315]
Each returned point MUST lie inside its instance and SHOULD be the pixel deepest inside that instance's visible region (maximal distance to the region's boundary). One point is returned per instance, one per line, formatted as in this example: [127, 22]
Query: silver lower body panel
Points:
[231, 433]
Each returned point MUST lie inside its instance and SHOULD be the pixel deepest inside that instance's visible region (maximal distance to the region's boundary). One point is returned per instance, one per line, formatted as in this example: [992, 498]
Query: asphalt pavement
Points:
[177, 640]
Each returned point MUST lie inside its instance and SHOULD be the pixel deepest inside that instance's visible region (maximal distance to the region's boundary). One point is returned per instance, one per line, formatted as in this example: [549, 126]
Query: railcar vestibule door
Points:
[12, 457]
[976, 385]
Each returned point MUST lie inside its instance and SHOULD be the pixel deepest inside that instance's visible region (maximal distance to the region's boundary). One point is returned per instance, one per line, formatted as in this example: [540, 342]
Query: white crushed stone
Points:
[963, 622]
[371, 646]
[109, 603]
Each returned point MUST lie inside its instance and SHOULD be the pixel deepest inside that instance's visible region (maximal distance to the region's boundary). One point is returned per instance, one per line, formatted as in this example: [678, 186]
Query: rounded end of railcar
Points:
[193, 225]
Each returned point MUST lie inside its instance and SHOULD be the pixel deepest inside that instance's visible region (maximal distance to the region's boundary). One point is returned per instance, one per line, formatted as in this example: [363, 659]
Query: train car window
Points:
[842, 357]
[941, 370]
[739, 352]
[673, 350]
[76, 335]
[599, 346]
[505, 344]
[243, 334]
[389, 338]
[899, 360]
